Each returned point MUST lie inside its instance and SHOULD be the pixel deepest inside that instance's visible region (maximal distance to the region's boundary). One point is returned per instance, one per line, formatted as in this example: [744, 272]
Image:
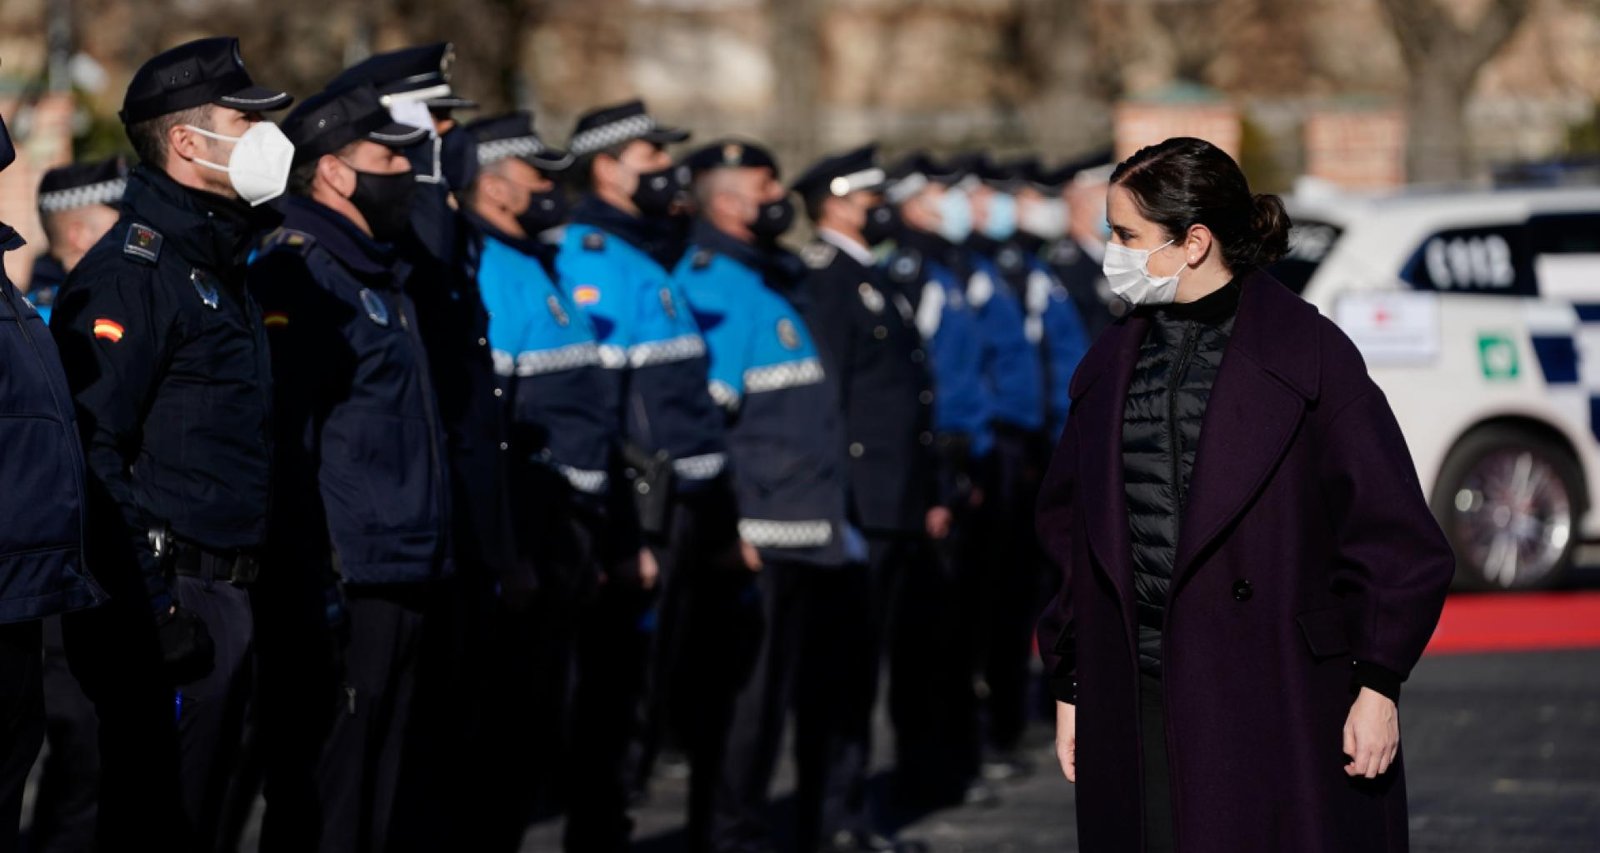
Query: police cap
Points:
[205, 71]
[83, 185]
[334, 118]
[512, 135]
[602, 128]
[842, 174]
[731, 154]
[420, 73]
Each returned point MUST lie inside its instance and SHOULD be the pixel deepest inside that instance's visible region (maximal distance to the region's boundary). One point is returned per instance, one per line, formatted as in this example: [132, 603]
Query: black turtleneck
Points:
[1211, 309]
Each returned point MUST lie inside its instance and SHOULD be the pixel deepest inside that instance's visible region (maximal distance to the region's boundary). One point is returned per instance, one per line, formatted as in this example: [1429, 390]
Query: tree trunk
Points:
[1438, 142]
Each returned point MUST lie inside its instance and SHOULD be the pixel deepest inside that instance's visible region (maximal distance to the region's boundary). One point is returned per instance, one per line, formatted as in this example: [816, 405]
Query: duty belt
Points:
[189, 560]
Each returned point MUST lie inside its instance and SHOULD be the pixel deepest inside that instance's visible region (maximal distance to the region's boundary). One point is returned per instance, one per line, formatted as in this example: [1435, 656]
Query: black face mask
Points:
[545, 210]
[8, 152]
[658, 190]
[773, 219]
[385, 202]
[880, 225]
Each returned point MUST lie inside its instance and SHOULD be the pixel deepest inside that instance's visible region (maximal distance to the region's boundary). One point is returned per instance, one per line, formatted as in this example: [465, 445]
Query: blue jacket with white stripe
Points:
[785, 432]
[653, 354]
[546, 359]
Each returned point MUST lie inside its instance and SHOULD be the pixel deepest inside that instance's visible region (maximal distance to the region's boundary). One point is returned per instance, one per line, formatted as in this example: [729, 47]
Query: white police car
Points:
[1479, 315]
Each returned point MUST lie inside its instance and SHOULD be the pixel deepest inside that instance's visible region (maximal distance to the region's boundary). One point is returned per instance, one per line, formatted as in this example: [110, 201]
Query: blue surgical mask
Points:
[955, 216]
[1001, 222]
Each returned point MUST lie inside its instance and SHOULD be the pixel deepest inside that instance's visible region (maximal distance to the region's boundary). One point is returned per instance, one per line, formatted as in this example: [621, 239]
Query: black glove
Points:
[186, 646]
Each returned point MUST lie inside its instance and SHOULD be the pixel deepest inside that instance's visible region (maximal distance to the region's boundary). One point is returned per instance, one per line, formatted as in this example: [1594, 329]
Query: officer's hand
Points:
[750, 556]
[1067, 739]
[649, 569]
[186, 646]
[938, 522]
[1371, 734]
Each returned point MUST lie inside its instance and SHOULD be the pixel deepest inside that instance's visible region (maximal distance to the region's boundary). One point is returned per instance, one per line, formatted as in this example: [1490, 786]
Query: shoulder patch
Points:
[143, 242]
[107, 329]
[788, 335]
[701, 260]
[818, 255]
[594, 241]
[905, 266]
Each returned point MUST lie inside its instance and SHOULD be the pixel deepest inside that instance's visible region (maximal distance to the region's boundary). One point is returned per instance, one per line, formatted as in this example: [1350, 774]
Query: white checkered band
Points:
[569, 357]
[613, 357]
[606, 135]
[791, 374]
[105, 192]
[704, 467]
[681, 348]
[765, 533]
[504, 363]
[501, 149]
[588, 482]
[724, 395]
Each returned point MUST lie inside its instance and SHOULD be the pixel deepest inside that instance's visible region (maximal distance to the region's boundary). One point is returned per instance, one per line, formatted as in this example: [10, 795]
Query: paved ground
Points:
[1502, 750]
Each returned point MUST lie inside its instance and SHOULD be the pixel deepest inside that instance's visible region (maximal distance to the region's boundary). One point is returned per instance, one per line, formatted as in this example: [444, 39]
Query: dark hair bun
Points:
[1268, 237]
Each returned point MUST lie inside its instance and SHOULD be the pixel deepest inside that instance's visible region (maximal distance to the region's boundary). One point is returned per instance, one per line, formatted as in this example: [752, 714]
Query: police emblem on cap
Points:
[377, 312]
[871, 298]
[732, 154]
[788, 335]
[205, 287]
[557, 311]
[667, 304]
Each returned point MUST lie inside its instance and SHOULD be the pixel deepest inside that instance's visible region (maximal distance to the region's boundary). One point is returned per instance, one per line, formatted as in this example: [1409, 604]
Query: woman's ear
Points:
[1197, 244]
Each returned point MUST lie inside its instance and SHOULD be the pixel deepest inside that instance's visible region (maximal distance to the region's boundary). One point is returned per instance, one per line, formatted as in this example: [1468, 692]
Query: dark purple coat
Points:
[1306, 544]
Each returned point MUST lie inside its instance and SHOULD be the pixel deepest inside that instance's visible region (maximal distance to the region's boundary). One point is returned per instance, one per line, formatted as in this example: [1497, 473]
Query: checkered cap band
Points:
[606, 135]
[104, 192]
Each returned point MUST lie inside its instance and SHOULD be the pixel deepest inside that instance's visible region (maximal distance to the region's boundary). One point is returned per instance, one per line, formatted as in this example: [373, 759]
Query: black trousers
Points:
[1157, 771]
[113, 652]
[210, 711]
[814, 660]
[704, 623]
[1002, 581]
[69, 784]
[21, 720]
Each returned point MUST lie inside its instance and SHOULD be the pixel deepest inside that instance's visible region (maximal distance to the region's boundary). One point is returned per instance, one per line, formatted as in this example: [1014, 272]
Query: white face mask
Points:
[1046, 219]
[1127, 272]
[259, 166]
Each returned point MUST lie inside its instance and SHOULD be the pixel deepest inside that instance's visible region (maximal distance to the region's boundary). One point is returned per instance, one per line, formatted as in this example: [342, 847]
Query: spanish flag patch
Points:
[109, 330]
[586, 294]
[275, 319]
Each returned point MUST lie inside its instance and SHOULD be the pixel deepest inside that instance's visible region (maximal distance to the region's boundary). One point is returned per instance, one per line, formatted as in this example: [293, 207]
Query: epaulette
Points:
[905, 267]
[819, 254]
[702, 259]
[594, 241]
[289, 240]
[142, 243]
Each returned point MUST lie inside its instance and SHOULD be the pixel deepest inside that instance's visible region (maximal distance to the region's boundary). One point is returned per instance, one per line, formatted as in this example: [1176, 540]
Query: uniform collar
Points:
[10, 240]
[207, 229]
[858, 252]
[544, 253]
[654, 235]
[336, 233]
[709, 237]
[932, 247]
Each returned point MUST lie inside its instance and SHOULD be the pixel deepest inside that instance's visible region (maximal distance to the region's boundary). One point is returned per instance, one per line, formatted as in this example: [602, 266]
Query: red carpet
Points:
[1507, 622]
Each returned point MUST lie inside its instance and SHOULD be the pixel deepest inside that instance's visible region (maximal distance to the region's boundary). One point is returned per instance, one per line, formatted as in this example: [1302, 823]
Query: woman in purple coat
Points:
[1250, 569]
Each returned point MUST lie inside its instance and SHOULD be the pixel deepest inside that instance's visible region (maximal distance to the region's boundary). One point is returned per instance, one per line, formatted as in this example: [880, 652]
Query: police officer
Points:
[937, 752]
[168, 362]
[361, 503]
[564, 440]
[77, 206]
[43, 505]
[414, 85]
[814, 651]
[611, 262]
[1076, 258]
[867, 338]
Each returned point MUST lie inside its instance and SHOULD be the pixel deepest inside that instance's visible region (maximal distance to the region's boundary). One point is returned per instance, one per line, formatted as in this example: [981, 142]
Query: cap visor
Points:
[666, 135]
[256, 99]
[397, 135]
[451, 103]
[550, 160]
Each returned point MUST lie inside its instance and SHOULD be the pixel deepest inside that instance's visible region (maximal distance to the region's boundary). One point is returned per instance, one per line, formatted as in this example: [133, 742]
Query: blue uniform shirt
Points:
[1057, 329]
[784, 428]
[547, 359]
[653, 354]
[1010, 365]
